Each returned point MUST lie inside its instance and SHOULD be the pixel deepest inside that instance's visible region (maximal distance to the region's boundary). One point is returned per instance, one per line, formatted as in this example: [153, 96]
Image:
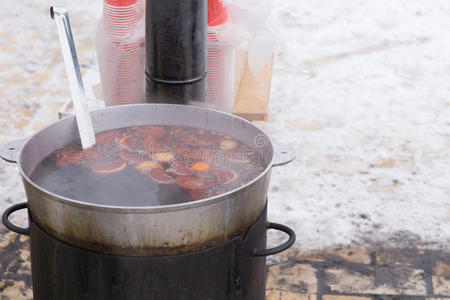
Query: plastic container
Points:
[221, 70]
[222, 47]
[120, 52]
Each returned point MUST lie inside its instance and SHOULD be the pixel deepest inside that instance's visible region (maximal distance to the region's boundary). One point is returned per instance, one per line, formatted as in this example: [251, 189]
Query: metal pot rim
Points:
[144, 209]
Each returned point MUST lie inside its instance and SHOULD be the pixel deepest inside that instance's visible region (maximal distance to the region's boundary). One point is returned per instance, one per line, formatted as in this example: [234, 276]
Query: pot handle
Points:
[10, 151]
[282, 154]
[281, 248]
[11, 226]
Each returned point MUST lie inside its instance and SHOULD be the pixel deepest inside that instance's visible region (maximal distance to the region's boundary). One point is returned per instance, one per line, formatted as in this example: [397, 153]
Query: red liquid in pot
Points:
[149, 166]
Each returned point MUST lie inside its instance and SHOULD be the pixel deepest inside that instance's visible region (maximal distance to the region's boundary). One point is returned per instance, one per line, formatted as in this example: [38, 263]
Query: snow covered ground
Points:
[360, 89]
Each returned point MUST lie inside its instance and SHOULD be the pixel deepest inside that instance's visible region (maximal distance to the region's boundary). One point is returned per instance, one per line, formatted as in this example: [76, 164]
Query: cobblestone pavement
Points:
[346, 273]
[359, 273]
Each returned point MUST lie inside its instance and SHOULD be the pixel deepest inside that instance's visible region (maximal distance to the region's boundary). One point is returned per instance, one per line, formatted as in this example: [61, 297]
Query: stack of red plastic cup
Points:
[122, 57]
[217, 13]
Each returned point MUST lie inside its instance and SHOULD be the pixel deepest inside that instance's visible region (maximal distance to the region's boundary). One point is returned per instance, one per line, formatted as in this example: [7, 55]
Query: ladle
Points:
[60, 15]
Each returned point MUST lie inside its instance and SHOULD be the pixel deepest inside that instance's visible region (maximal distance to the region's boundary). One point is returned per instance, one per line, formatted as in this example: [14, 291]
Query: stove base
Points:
[226, 272]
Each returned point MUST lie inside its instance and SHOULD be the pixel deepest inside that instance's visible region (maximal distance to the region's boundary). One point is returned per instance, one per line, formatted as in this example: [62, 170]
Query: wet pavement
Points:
[342, 273]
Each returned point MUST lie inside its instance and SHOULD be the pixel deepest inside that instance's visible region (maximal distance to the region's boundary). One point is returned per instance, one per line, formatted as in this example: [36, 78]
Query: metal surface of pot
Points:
[139, 231]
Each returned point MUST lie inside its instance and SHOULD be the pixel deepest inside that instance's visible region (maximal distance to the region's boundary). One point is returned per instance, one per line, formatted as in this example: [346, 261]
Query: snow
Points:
[375, 76]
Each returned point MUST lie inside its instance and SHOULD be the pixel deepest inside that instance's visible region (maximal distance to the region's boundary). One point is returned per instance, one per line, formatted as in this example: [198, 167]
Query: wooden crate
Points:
[252, 99]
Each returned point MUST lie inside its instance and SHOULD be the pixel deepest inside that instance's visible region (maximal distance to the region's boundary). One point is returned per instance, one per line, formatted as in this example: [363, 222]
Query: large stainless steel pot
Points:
[161, 230]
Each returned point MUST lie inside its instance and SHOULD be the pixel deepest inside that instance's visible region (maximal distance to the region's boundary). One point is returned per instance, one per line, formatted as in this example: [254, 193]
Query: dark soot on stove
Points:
[149, 166]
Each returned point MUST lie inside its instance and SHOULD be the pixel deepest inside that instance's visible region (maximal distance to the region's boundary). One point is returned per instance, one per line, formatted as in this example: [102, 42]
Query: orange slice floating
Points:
[92, 154]
[110, 168]
[156, 131]
[130, 156]
[225, 176]
[152, 144]
[161, 176]
[163, 157]
[193, 183]
[201, 166]
[203, 194]
[107, 137]
[180, 168]
[65, 157]
[228, 145]
[130, 142]
[146, 166]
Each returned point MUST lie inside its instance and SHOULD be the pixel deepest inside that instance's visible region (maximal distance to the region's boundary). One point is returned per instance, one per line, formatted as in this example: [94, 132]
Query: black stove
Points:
[231, 271]
[228, 271]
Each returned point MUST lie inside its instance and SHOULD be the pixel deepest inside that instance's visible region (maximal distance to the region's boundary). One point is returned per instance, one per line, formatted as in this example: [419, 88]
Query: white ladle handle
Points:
[60, 15]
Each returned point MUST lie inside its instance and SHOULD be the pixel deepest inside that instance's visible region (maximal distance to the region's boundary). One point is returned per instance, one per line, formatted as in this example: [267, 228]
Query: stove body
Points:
[228, 271]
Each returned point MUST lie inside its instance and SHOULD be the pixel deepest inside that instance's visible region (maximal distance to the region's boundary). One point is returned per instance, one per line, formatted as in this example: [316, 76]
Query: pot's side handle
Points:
[10, 151]
[288, 244]
[282, 154]
[11, 226]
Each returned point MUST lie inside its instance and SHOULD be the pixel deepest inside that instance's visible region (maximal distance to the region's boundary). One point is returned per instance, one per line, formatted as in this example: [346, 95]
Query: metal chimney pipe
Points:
[176, 53]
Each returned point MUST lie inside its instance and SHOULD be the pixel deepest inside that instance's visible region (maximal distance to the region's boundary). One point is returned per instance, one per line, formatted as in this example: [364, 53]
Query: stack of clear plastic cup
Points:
[221, 75]
[221, 69]
[123, 60]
